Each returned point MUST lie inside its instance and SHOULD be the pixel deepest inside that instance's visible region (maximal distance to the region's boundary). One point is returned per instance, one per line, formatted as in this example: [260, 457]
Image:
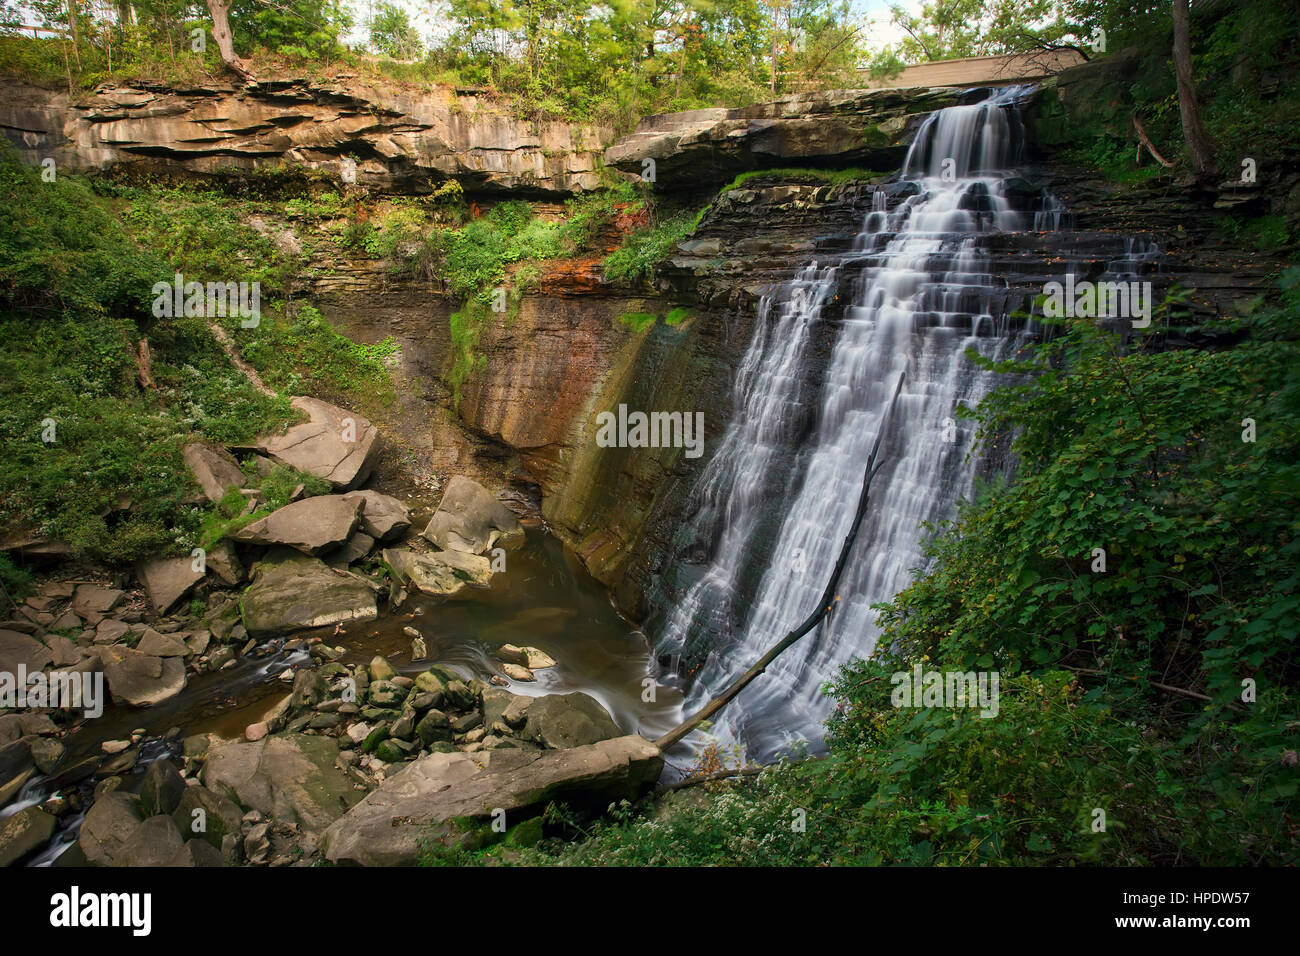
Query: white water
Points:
[924, 296]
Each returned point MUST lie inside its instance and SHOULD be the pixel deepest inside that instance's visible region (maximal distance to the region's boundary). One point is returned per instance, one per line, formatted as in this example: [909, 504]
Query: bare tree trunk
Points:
[1199, 150]
[225, 43]
[828, 601]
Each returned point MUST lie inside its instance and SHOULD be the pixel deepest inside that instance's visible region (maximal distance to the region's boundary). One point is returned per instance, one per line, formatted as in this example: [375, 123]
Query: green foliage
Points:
[227, 515]
[1117, 161]
[1264, 234]
[465, 324]
[793, 174]
[638, 321]
[15, 580]
[592, 212]
[392, 33]
[61, 249]
[75, 295]
[646, 247]
[302, 353]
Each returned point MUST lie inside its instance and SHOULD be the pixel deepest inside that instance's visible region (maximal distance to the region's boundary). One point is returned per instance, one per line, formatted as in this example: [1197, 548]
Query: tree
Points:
[392, 33]
[220, 9]
[1199, 149]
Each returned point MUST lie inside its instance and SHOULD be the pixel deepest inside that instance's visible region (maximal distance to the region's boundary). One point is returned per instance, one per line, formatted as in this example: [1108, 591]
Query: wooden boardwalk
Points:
[983, 70]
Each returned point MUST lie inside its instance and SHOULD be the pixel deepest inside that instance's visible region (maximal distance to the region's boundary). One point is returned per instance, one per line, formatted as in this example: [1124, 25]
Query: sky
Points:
[882, 32]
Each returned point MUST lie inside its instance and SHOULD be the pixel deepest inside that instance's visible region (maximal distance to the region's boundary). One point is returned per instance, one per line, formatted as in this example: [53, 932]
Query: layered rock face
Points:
[400, 140]
[832, 128]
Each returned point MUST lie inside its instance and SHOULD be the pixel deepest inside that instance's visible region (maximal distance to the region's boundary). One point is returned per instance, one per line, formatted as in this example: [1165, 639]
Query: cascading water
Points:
[924, 295]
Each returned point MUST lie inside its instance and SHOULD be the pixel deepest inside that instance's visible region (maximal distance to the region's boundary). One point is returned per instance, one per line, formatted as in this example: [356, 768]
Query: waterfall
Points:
[923, 293]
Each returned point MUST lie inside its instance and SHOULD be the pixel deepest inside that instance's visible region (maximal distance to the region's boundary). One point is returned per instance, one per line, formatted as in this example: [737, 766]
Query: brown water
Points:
[544, 599]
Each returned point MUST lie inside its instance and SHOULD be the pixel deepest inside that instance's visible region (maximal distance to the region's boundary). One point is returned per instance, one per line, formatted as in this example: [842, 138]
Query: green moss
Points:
[801, 174]
[638, 321]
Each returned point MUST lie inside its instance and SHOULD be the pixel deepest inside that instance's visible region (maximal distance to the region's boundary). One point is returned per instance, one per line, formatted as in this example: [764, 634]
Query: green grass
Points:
[831, 177]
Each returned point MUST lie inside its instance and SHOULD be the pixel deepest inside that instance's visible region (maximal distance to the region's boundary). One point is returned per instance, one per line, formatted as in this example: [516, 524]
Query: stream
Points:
[544, 599]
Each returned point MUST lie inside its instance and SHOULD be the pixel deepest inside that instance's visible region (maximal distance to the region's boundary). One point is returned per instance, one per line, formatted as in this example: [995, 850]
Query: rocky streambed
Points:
[339, 679]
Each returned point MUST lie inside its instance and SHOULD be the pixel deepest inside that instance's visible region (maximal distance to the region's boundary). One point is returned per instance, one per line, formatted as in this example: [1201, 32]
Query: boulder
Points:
[141, 679]
[292, 778]
[110, 823]
[220, 816]
[559, 721]
[383, 517]
[334, 444]
[46, 753]
[197, 853]
[501, 705]
[24, 832]
[161, 645]
[431, 798]
[358, 545]
[162, 788]
[167, 580]
[470, 519]
[225, 564]
[110, 631]
[64, 650]
[92, 601]
[312, 525]
[20, 649]
[444, 573]
[213, 469]
[293, 592]
[529, 657]
[155, 842]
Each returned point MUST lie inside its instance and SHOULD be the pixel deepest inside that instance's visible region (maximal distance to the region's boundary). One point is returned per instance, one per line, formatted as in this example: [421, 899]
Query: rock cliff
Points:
[401, 140]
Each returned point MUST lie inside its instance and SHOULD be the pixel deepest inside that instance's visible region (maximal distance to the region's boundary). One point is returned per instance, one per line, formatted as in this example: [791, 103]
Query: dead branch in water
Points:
[829, 597]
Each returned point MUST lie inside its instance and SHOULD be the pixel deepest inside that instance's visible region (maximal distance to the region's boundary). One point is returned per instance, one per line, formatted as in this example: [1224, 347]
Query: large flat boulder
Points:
[92, 601]
[313, 525]
[213, 469]
[167, 580]
[291, 778]
[383, 517]
[294, 592]
[441, 572]
[141, 679]
[334, 444]
[22, 649]
[470, 519]
[426, 799]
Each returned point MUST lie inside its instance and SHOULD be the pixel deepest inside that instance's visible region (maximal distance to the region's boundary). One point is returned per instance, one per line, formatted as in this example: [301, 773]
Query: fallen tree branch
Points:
[709, 778]
[1169, 688]
[829, 597]
[1145, 140]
